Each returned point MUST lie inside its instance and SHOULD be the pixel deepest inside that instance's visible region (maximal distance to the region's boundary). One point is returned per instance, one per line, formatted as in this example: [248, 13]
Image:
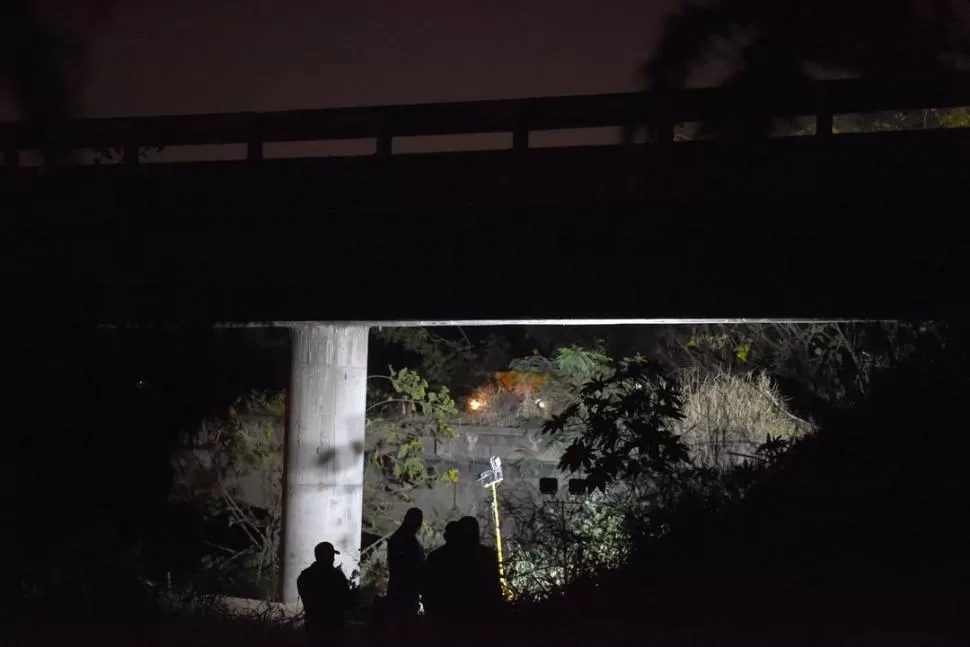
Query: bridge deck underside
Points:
[849, 226]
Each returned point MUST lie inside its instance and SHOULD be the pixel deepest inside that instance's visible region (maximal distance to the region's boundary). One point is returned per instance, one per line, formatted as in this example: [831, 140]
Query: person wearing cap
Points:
[326, 596]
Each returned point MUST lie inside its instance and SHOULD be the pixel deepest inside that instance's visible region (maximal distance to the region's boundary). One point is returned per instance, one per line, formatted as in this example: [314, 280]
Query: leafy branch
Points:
[626, 425]
[397, 450]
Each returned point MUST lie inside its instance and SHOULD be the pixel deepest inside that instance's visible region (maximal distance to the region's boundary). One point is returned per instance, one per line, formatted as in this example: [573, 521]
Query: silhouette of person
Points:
[462, 585]
[484, 582]
[405, 561]
[440, 596]
[326, 595]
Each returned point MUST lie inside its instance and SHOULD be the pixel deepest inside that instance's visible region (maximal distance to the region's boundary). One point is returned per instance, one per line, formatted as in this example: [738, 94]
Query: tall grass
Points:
[728, 415]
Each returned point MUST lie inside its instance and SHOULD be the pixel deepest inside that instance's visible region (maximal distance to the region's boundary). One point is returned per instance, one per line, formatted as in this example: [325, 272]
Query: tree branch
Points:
[241, 517]
[391, 401]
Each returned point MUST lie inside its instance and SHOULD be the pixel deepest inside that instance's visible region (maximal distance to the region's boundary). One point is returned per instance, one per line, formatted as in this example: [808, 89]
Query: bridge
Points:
[663, 229]
[823, 225]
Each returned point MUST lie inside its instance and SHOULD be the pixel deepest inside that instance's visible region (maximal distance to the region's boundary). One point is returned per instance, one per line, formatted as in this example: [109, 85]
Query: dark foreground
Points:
[750, 618]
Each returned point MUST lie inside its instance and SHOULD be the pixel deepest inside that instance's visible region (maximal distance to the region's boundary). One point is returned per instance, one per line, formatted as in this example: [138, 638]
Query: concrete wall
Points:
[524, 460]
[524, 455]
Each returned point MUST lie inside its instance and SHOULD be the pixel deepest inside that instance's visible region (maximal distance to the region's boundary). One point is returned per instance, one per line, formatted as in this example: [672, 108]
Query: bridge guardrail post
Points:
[824, 117]
[254, 145]
[661, 132]
[11, 157]
[385, 140]
[520, 136]
[129, 152]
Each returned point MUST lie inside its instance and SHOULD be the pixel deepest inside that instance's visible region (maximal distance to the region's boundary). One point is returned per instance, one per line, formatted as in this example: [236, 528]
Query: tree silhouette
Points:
[32, 57]
[36, 61]
[778, 43]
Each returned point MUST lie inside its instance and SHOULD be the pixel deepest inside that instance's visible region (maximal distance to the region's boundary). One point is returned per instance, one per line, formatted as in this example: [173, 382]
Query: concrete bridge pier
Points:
[323, 473]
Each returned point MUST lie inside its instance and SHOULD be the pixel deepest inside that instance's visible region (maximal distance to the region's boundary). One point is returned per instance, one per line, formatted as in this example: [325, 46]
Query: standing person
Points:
[326, 596]
[405, 561]
[485, 585]
[443, 578]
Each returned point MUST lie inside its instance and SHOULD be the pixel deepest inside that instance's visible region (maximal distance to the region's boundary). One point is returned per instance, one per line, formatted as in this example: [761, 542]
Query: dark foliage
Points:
[624, 426]
[857, 532]
[36, 60]
[102, 412]
[777, 43]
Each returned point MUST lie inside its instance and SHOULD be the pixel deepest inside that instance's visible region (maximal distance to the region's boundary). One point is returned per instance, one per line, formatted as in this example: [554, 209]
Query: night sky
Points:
[186, 56]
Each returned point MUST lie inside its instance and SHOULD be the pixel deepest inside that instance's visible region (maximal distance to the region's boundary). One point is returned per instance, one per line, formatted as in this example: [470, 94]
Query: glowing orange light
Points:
[475, 404]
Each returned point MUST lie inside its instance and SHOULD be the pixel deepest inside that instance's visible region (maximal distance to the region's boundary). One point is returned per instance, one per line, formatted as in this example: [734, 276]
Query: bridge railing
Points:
[520, 117]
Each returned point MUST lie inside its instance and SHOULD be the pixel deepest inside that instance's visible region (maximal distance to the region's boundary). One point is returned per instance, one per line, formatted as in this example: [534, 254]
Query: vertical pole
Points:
[11, 158]
[520, 139]
[520, 136]
[498, 541]
[660, 133]
[129, 154]
[324, 449]
[254, 145]
[824, 117]
[824, 123]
